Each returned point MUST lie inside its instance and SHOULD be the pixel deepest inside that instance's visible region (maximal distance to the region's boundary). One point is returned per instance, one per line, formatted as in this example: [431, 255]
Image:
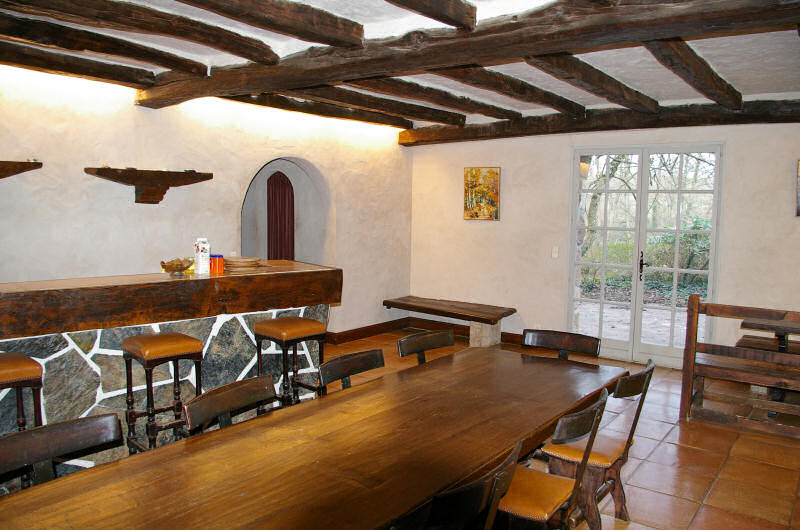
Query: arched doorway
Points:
[313, 216]
[280, 217]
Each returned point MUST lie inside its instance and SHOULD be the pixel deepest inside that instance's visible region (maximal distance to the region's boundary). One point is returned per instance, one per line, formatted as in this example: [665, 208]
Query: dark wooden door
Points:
[280, 217]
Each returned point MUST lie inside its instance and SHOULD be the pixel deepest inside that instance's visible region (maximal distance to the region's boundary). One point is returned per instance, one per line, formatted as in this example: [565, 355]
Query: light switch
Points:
[554, 253]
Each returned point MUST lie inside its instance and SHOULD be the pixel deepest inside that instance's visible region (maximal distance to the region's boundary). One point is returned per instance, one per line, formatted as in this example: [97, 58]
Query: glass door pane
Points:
[605, 247]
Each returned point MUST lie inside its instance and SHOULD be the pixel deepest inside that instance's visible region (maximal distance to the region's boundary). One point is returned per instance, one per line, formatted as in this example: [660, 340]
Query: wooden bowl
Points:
[177, 266]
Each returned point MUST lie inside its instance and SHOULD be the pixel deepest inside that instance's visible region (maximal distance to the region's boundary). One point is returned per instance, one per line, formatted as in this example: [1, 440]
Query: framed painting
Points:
[482, 193]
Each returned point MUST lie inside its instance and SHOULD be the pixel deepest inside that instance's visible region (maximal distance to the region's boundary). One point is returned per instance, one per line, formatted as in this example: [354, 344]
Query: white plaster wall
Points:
[59, 222]
[509, 262]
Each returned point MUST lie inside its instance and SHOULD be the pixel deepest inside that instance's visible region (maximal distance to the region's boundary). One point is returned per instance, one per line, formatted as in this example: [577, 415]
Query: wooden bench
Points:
[754, 360]
[484, 320]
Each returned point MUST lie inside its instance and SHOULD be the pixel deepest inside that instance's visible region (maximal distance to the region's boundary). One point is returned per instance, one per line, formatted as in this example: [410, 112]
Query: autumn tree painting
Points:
[482, 193]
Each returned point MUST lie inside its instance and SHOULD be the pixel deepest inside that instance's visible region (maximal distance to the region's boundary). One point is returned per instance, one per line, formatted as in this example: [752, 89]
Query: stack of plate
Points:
[240, 264]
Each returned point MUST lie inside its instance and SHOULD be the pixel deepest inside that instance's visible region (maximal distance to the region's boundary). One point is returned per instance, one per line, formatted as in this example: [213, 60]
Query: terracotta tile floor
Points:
[679, 475]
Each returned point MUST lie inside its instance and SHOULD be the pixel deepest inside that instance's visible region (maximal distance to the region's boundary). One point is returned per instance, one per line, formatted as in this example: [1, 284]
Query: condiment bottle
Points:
[202, 256]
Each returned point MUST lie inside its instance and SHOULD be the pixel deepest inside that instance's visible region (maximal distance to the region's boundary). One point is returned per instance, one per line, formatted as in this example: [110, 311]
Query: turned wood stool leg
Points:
[295, 388]
[152, 431]
[20, 409]
[177, 406]
[37, 405]
[321, 351]
[259, 342]
[198, 378]
[130, 417]
[285, 389]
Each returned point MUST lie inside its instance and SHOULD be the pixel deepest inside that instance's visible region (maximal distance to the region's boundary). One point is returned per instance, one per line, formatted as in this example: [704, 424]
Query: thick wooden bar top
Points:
[354, 459]
[55, 306]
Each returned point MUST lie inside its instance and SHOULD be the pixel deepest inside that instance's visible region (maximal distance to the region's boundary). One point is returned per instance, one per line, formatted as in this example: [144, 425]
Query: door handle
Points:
[642, 264]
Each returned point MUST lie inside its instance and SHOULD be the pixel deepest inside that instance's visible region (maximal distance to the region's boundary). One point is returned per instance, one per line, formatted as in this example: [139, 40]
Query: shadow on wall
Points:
[313, 212]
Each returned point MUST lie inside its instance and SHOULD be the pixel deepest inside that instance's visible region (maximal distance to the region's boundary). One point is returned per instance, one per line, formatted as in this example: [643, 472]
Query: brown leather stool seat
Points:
[289, 332]
[18, 371]
[151, 350]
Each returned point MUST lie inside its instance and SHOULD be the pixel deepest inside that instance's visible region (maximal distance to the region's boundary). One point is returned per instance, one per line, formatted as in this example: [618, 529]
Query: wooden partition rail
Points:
[763, 366]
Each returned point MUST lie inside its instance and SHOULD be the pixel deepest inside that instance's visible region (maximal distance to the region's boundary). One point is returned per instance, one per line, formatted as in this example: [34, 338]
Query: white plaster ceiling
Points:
[760, 66]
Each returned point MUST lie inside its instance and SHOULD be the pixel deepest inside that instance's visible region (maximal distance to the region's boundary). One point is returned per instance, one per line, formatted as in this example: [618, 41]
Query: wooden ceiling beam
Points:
[358, 100]
[572, 70]
[407, 89]
[610, 120]
[67, 38]
[322, 109]
[290, 18]
[58, 63]
[125, 16]
[679, 57]
[556, 29]
[452, 12]
[512, 87]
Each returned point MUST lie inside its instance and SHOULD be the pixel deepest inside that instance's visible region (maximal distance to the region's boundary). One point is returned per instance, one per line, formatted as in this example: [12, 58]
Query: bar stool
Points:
[151, 350]
[18, 371]
[286, 332]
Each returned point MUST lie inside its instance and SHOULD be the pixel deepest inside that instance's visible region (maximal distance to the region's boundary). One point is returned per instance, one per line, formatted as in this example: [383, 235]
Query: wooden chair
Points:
[610, 452]
[537, 497]
[416, 519]
[38, 447]
[419, 343]
[474, 505]
[221, 403]
[562, 341]
[341, 368]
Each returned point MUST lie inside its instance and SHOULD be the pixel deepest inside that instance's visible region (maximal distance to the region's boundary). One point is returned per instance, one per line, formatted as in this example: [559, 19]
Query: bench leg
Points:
[481, 335]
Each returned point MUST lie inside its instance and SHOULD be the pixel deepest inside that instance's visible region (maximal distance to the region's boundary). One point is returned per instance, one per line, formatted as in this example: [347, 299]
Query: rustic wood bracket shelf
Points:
[8, 168]
[150, 184]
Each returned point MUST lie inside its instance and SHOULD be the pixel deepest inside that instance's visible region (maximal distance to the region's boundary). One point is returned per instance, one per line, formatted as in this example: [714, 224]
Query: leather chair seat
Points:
[288, 328]
[161, 345]
[18, 368]
[534, 495]
[606, 450]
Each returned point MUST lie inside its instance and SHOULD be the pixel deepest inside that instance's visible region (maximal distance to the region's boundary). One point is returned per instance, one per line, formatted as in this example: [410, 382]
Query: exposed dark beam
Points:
[585, 76]
[407, 89]
[322, 109]
[291, 18]
[351, 98]
[59, 63]
[611, 120]
[8, 167]
[679, 57]
[125, 16]
[67, 38]
[453, 12]
[559, 28]
[511, 87]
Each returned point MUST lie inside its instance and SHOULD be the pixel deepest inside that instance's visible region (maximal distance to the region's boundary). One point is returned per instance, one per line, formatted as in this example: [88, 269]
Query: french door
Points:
[644, 236]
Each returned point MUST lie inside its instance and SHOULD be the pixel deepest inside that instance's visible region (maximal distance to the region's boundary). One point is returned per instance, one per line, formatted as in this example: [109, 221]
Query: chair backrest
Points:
[576, 426]
[38, 447]
[562, 341]
[635, 385]
[341, 368]
[419, 343]
[416, 519]
[224, 401]
[474, 505]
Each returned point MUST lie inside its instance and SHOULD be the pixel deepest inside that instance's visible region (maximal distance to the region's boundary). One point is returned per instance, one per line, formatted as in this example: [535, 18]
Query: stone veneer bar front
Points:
[74, 328]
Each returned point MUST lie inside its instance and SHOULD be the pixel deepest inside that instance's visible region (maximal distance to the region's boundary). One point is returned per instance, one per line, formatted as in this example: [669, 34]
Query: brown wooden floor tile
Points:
[776, 478]
[618, 405]
[608, 522]
[646, 427]
[659, 397]
[688, 458]
[771, 439]
[796, 516]
[667, 385]
[711, 518]
[701, 436]
[752, 500]
[777, 454]
[672, 480]
[642, 447]
[656, 509]
[629, 468]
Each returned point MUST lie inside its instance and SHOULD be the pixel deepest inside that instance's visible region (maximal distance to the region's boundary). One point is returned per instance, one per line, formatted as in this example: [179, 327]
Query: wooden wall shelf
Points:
[8, 168]
[150, 184]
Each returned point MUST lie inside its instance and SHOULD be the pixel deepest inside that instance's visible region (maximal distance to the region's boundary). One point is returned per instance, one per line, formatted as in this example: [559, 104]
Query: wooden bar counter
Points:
[55, 306]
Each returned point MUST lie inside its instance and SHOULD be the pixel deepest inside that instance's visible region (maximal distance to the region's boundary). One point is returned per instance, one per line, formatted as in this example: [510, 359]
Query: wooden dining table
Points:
[353, 459]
